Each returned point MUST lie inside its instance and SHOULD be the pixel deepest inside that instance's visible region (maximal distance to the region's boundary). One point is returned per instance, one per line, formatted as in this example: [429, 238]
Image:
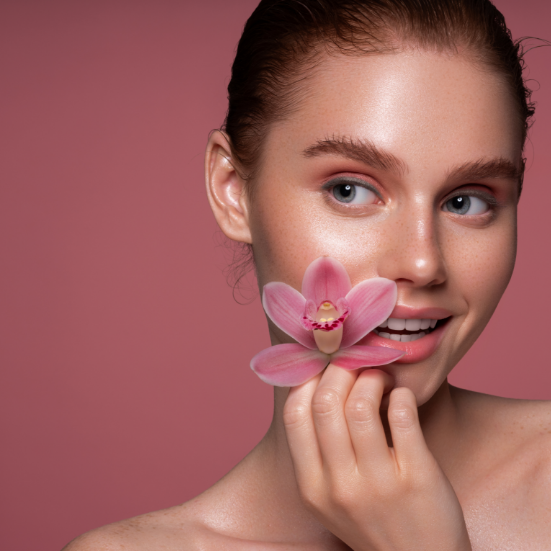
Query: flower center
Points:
[326, 322]
[325, 315]
[326, 309]
[328, 328]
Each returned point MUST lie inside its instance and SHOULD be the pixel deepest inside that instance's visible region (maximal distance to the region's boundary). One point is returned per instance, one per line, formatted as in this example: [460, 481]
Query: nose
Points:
[412, 255]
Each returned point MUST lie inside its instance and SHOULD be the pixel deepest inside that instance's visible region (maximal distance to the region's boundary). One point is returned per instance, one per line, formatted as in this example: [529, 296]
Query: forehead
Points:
[423, 107]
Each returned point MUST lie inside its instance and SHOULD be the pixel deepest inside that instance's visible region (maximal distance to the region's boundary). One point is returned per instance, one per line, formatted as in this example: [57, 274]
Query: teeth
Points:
[396, 324]
[413, 325]
[401, 338]
[409, 325]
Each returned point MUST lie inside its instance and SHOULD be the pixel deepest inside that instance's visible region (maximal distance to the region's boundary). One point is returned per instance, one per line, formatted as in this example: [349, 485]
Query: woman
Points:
[387, 135]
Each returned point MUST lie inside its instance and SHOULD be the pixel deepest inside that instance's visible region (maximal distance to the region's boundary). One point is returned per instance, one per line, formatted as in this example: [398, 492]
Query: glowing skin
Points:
[404, 227]
[438, 217]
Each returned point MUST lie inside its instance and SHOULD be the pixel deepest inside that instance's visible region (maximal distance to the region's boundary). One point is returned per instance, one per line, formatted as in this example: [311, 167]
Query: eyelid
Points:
[484, 196]
[333, 182]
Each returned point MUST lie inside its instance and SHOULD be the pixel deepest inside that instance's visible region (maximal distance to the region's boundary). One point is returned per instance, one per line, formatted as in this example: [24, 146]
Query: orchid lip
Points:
[327, 316]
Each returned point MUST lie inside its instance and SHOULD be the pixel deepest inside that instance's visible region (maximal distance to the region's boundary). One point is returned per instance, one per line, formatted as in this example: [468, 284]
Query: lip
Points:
[409, 312]
[415, 351]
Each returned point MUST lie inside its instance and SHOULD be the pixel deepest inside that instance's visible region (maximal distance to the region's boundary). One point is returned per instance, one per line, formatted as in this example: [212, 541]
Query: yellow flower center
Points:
[328, 341]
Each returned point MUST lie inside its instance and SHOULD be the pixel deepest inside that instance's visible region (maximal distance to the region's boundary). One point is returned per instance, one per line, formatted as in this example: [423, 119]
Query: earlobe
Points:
[226, 189]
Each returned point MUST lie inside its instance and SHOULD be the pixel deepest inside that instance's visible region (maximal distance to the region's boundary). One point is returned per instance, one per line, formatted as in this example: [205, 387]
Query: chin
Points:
[424, 378]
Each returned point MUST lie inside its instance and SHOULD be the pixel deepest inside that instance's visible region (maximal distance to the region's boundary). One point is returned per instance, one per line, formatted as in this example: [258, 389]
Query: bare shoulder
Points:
[516, 437]
[173, 528]
[180, 528]
[521, 419]
[506, 490]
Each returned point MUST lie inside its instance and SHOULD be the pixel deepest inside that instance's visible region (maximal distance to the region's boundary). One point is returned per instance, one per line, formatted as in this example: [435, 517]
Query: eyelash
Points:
[491, 201]
[354, 181]
[329, 186]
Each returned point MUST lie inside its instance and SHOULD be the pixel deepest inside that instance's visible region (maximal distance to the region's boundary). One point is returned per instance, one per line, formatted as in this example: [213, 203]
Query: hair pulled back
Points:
[283, 40]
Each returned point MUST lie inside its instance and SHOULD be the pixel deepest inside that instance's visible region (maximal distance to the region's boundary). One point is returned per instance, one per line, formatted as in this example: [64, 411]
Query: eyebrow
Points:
[491, 168]
[357, 150]
[368, 153]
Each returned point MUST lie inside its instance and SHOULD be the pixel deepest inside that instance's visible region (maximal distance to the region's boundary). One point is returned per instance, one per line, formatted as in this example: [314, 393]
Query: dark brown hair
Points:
[283, 42]
[283, 39]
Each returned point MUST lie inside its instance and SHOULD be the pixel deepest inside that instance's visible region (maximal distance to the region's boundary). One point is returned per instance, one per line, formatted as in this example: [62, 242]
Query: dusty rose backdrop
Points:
[125, 382]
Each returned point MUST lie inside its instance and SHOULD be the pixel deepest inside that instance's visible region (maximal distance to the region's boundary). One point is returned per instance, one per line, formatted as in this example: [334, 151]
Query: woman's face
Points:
[402, 166]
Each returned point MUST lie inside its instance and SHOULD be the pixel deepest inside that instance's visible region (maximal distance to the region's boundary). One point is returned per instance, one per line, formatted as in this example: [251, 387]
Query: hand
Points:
[371, 496]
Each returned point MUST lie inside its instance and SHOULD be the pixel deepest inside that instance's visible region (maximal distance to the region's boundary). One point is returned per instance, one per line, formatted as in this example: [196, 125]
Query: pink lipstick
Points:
[415, 331]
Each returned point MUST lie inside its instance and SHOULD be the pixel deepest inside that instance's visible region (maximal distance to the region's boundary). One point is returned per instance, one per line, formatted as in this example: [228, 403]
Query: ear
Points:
[226, 189]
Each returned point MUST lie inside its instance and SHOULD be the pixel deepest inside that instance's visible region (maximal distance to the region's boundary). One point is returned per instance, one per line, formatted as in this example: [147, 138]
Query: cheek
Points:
[283, 235]
[274, 220]
[481, 264]
[290, 230]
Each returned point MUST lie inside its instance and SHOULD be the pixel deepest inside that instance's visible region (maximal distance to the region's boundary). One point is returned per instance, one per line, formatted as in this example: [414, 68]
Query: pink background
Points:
[114, 400]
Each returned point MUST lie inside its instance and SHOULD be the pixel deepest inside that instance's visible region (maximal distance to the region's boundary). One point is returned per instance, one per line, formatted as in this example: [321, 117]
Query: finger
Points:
[364, 420]
[410, 448]
[300, 431]
[329, 420]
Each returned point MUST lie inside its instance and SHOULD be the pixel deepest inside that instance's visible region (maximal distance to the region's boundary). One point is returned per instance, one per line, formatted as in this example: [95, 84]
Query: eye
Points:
[353, 194]
[466, 204]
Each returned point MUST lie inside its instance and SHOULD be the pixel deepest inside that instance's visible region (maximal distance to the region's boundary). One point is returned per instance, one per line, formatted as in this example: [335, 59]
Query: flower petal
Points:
[288, 364]
[371, 303]
[325, 279]
[285, 307]
[309, 317]
[364, 356]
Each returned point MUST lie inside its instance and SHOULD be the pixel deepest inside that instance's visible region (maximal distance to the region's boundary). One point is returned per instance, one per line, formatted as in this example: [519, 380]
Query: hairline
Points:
[307, 67]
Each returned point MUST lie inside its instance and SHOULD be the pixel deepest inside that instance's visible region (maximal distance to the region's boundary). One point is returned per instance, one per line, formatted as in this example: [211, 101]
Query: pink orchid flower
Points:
[326, 320]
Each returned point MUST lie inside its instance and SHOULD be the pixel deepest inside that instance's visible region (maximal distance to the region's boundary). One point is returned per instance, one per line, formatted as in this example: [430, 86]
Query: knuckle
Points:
[413, 480]
[406, 476]
[361, 411]
[340, 498]
[295, 416]
[426, 473]
[391, 492]
[310, 497]
[326, 402]
[402, 416]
